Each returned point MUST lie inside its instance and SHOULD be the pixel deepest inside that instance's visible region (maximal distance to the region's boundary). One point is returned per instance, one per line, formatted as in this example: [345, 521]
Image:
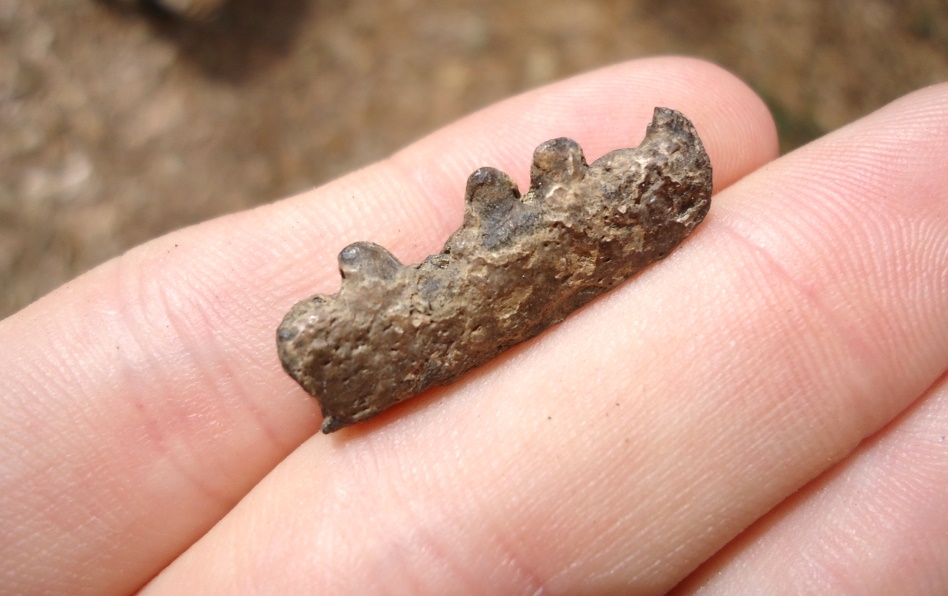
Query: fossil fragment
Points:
[516, 266]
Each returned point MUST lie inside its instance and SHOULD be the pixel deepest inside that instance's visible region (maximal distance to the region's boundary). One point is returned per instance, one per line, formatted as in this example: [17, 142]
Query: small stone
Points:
[518, 265]
[191, 9]
[194, 9]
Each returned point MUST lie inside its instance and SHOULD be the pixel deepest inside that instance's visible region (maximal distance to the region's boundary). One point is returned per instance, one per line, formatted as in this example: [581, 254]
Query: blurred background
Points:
[120, 121]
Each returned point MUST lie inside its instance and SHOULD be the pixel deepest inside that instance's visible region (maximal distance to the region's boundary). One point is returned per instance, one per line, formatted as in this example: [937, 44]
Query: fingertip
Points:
[739, 131]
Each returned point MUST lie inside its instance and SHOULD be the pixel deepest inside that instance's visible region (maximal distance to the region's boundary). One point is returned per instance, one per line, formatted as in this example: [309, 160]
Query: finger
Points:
[144, 399]
[624, 447]
[877, 523]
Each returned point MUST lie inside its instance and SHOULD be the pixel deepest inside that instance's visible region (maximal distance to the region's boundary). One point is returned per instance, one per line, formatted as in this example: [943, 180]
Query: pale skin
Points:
[764, 411]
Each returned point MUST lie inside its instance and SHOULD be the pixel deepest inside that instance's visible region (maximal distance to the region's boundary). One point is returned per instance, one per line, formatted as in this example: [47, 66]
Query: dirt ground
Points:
[118, 124]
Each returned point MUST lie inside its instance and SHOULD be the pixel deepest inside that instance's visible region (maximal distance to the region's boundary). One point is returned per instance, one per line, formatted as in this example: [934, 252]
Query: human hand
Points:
[764, 410]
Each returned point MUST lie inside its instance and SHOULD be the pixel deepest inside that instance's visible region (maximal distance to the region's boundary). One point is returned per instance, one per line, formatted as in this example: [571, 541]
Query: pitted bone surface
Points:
[517, 265]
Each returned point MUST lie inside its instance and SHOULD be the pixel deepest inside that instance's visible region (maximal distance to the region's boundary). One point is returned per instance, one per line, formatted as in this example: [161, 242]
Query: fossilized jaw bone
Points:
[516, 266]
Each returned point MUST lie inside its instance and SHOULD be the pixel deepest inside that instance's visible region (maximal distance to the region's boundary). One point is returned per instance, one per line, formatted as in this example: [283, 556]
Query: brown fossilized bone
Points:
[517, 265]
